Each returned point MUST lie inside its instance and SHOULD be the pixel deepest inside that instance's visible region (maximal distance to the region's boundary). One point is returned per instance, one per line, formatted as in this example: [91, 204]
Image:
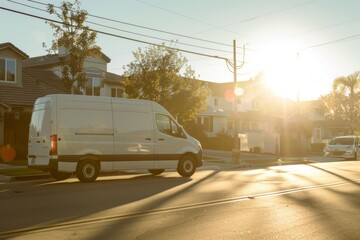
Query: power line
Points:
[144, 27]
[271, 13]
[187, 17]
[349, 38]
[118, 36]
[259, 16]
[130, 32]
[309, 31]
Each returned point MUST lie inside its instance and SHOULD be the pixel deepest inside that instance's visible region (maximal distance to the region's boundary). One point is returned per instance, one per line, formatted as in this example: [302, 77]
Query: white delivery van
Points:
[88, 134]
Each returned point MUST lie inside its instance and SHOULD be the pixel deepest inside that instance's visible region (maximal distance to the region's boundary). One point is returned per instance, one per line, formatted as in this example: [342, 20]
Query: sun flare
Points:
[291, 74]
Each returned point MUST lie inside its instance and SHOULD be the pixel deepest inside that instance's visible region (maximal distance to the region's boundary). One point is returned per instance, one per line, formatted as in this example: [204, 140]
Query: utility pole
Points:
[298, 132]
[236, 149]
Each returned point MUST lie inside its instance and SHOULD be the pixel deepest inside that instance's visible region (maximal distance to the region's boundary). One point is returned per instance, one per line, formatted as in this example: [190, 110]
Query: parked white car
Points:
[345, 147]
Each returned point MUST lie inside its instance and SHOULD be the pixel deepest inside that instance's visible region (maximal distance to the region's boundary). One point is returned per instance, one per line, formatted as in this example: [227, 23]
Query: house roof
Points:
[218, 89]
[41, 61]
[113, 78]
[17, 50]
[50, 60]
[35, 83]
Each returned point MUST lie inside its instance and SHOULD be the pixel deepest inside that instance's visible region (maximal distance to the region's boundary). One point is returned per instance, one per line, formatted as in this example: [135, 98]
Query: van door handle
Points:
[148, 139]
[161, 139]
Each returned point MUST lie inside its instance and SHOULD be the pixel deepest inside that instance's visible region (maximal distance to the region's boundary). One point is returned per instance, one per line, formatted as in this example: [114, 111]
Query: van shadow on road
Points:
[40, 203]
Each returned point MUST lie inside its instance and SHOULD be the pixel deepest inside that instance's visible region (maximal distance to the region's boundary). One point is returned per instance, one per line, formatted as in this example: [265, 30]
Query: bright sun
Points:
[281, 75]
[290, 74]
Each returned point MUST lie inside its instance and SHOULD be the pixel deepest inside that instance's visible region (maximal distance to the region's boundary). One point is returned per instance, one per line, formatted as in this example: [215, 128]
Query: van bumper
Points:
[199, 159]
[44, 165]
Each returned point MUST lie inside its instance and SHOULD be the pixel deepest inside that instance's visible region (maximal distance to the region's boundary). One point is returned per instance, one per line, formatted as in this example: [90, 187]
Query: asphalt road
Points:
[313, 201]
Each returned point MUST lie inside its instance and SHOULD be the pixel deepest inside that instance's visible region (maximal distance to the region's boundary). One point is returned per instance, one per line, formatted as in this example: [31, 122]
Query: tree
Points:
[76, 39]
[343, 102]
[162, 75]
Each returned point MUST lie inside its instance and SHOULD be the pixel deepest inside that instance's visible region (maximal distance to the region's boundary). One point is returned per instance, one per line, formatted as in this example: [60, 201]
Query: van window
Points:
[37, 125]
[168, 126]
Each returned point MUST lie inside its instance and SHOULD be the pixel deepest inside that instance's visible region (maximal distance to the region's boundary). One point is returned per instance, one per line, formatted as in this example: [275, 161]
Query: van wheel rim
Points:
[88, 170]
[188, 166]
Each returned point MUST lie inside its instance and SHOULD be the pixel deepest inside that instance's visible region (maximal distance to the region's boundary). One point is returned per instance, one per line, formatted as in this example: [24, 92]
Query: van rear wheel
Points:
[186, 166]
[59, 176]
[87, 171]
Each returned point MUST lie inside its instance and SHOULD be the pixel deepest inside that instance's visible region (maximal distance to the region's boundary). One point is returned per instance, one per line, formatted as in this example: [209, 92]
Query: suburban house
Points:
[24, 79]
[263, 123]
[19, 88]
[228, 113]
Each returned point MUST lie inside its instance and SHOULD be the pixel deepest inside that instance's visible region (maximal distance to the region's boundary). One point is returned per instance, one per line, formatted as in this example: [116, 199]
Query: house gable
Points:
[11, 65]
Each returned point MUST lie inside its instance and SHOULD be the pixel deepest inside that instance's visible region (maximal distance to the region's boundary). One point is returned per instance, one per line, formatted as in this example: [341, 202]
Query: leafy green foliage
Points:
[162, 75]
[76, 39]
[343, 102]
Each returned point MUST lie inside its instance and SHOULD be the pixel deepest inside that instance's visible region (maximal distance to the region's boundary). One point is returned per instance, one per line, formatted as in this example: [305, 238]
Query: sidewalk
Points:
[22, 177]
[249, 160]
[211, 158]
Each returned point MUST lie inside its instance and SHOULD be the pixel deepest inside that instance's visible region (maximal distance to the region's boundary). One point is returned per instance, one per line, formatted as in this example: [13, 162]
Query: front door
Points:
[169, 142]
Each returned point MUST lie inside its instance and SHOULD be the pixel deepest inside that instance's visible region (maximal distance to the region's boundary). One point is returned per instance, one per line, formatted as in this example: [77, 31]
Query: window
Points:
[117, 92]
[318, 112]
[255, 125]
[208, 124]
[93, 86]
[7, 70]
[318, 134]
[168, 126]
[245, 125]
[230, 124]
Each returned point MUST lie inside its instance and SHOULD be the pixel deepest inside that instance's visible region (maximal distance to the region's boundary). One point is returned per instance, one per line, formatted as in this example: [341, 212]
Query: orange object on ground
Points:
[7, 153]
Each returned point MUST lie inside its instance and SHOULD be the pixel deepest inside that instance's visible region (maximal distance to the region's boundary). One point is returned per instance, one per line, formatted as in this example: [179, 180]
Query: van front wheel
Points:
[87, 171]
[59, 176]
[186, 166]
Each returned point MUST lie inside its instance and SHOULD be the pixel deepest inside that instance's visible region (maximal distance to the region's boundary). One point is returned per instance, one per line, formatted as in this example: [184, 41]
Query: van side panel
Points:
[85, 128]
[133, 135]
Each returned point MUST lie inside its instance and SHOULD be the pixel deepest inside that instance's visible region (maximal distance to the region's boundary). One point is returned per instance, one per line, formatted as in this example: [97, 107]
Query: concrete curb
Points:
[227, 164]
[4, 178]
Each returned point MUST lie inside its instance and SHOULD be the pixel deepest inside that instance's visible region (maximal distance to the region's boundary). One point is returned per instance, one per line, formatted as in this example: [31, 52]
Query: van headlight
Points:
[198, 144]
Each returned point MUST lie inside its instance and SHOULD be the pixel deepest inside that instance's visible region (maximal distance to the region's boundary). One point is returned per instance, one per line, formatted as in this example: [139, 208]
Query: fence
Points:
[259, 142]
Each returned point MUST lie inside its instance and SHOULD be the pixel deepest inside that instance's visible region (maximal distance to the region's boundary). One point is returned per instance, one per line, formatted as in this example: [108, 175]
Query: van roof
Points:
[155, 106]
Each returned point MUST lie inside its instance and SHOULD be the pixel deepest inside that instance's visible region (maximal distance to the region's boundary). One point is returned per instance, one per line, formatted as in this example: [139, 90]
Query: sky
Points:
[301, 46]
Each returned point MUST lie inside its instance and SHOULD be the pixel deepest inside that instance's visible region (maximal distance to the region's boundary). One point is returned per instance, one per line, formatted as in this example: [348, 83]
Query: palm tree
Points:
[349, 88]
